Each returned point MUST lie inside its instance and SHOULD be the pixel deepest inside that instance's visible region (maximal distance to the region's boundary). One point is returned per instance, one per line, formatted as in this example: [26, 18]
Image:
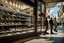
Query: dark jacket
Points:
[51, 22]
[46, 22]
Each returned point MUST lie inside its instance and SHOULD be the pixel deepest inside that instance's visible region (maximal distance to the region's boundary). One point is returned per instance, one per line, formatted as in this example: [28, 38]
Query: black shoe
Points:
[52, 33]
[55, 30]
[47, 33]
[44, 33]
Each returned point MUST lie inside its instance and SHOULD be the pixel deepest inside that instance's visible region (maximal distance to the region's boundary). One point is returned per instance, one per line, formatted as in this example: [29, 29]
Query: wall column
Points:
[44, 11]
[35, 15]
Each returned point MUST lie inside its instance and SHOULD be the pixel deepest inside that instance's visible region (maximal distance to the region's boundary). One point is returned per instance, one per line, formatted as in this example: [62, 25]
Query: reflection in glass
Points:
[6, 1]
[13, 4]
[10, 3]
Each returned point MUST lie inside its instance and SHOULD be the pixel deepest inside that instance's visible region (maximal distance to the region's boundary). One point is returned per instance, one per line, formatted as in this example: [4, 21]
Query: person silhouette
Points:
[46, 24]
[51, 25]
[55, 25]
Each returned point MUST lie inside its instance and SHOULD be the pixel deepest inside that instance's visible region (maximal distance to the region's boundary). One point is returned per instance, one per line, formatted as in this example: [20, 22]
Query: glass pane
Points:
[42, 8]
[39, 21]
[16, 21]
[40, 17]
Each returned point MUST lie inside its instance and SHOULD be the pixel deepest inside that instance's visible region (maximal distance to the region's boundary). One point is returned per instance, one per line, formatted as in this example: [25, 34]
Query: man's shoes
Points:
[44, 33]
[47, 33]
[55, 30]
[52, 33]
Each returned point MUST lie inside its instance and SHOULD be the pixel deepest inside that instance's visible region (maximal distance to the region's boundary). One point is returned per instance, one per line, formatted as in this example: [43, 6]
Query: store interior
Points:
[17, 17]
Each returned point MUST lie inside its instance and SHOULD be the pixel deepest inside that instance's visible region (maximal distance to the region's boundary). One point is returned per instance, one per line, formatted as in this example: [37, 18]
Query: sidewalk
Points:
[58, 37]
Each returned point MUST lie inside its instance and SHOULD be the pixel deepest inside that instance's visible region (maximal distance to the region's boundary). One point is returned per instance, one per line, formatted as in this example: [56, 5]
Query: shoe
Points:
[44, 33]
[55, 30]
[47, 33]
[52, 33]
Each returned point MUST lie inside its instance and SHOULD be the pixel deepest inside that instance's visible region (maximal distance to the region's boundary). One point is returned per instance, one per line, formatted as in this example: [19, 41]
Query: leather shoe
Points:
[52, 33]
[55, 30]
[47, 33]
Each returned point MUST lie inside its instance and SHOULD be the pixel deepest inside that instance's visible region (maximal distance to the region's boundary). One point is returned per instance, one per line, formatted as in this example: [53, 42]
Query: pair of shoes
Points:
[44, 33]
[47, 33]
[52, 33]
[55, 30]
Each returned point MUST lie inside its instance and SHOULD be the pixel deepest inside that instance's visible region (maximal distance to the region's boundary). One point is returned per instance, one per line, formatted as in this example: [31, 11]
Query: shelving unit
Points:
[13, 22]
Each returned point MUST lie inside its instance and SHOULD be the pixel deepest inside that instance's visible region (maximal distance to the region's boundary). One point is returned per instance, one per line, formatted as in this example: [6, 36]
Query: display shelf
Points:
[9, 33]
[14, 11]
[14, 25]
[14, 22]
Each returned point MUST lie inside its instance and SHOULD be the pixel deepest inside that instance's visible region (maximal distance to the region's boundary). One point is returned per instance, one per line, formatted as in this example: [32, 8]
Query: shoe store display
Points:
[11, 23]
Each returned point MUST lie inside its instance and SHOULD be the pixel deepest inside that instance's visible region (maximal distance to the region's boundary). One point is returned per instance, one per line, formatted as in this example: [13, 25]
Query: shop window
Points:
[39, 16]
[42, 8]
[39, 6]
[15, 21]
[39, 21]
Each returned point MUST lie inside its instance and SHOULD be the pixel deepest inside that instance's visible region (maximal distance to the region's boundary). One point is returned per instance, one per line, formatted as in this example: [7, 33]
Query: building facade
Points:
[61, 12]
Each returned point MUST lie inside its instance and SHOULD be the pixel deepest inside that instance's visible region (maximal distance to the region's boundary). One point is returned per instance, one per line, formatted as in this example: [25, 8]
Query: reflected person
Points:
[46, 24]
[51, 25]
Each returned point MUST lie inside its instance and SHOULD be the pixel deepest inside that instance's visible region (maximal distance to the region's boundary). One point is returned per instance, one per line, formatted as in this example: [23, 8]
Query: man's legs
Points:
[52, 29]
[46, 28]
[55, 28]
[45, 32]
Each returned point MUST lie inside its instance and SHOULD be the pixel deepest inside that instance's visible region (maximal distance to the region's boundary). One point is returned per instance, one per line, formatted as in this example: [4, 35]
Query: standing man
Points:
[51, 25]
[46, 24]
[55, 25]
